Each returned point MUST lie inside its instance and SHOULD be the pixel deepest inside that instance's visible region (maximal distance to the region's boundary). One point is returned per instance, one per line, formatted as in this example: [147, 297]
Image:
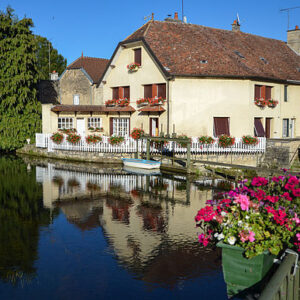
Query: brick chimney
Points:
[293, 39]
[176, 16]
[169, 18]
[236, 27]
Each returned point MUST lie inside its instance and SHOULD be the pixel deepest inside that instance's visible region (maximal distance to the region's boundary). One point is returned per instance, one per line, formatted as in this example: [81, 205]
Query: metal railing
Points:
[285, 283]
[130, 146]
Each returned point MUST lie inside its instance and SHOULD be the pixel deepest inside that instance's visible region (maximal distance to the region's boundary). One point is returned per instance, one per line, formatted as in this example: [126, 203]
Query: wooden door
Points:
[268, 127]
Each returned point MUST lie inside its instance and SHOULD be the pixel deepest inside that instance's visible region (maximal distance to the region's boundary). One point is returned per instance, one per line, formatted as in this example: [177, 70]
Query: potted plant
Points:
[123, 102]
[142, 102]
[116, 140]
[261, 102]
[57, 137]
[73, 138]
[183, 144]
[156, 101]
[136, 133]
[68, 131]
[272, 103]
[93, 139]
[112, 102]
[226, 141]
[206, 140]
[252, 224]
[250, 140]
[133, 67]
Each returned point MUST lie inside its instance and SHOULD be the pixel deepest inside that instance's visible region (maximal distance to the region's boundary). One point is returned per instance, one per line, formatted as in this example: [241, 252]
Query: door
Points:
[154, 127]
[268, 127]
[80, 124]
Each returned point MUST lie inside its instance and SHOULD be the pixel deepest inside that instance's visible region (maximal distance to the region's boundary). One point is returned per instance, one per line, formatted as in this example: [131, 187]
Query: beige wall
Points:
[200, 100]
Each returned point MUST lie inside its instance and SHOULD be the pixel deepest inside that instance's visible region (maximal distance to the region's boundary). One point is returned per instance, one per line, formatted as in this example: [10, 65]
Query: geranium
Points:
[206, 140]
[57, 138]
[115, 140]
[137, 133]
[258, 215]
[93, 139]
[73, 138]
[250, 140]
[226, 141]
[133, 66]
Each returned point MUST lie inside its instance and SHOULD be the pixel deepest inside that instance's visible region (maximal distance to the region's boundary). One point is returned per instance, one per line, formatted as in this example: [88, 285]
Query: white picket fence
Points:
[129, 146]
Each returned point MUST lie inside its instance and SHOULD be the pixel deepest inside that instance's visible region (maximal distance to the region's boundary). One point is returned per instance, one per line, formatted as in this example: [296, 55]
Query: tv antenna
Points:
[288, 13]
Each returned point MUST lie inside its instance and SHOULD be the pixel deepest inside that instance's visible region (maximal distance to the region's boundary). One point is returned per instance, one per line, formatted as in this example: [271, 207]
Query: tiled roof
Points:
[95, 67]
[91, 108]
[194, 50]
[152, 109]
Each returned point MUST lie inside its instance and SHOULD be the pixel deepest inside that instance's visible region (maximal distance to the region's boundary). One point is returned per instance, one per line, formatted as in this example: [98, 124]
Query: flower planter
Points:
[241, 273]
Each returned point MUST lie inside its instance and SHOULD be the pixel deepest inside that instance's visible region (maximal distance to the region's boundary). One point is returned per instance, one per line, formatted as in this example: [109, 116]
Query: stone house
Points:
[213, 82]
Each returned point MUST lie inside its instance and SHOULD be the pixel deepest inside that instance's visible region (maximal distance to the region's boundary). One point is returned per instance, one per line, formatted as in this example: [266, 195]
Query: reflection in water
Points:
[147, 225]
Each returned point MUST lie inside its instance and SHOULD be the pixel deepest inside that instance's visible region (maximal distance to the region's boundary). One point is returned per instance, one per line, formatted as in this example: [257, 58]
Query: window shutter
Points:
[268, 127]
[161, 90]
[115, 93]
[154, 90]
[148, 91]
[285, 128]
[268, 92]
[257, 91]
[221, 126]
[259, 129]
[121, 92]
[111, 126]
[127, 92]
[285, 93]
[138, 56]
[263, 92]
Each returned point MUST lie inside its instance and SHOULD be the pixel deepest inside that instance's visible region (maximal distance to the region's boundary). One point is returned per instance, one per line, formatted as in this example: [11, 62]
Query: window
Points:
[285, 93]
[65, 123]
[258, 128]
[262, 91]
[119, 126]
[155, 90]
[221, 126]
[121, 92]
[285, 128]
[138, 56]
[95, 122]
[76, 99]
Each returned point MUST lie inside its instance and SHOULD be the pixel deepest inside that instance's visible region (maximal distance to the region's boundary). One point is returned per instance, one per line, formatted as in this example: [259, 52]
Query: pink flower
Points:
[287, 196]
[289, 186]
[206, 214]
[272, 199]
[243, 200]
[259, 181]
[251, 236]
[297, 220]
[293, 180]
[203, 239]
[243, 236]
[296, 192]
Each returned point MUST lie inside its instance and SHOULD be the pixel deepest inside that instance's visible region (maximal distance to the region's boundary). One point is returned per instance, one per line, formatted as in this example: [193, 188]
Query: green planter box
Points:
[241, 273]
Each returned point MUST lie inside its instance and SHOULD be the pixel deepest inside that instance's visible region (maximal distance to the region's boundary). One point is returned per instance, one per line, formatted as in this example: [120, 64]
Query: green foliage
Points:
[20, 112]
[57, 62]
[116, 140]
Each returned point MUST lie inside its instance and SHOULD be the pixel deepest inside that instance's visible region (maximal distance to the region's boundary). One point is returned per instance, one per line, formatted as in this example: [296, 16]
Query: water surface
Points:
[66, 233]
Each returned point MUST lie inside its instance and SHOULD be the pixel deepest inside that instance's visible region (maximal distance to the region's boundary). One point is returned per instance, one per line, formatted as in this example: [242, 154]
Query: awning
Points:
[91, 108]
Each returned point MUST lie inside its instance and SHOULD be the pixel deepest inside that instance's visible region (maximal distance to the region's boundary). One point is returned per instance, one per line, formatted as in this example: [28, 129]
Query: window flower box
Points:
[123, 102]
[156, 101]
[142, 102]
[133, 67]
[111, 103]
[272, 103]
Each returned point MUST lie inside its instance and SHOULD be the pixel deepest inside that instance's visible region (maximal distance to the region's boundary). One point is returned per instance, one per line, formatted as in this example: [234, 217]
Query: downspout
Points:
[168, 107]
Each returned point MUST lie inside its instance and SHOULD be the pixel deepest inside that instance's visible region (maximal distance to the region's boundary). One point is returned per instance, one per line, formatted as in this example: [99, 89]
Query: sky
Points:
[95, 27]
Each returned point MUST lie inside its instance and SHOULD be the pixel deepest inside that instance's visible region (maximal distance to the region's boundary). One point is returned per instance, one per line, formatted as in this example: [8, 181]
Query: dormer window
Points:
[138, 56]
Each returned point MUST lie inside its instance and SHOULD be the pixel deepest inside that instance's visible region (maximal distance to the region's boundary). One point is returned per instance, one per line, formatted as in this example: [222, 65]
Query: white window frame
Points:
[65, 123]
[76, 99]
[94, 122]
[121, 126]
[285, 128]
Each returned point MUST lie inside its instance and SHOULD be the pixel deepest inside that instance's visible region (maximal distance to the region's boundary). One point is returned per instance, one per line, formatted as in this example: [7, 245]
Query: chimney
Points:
[293, 39]
[236, 27]
[54, 76]
[176, 16]
[170, 19]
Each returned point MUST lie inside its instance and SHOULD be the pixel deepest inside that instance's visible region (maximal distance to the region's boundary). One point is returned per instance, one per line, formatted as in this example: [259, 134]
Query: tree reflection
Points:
[21, 215]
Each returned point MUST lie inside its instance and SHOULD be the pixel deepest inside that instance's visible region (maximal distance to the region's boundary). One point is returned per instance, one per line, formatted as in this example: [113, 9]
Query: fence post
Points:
[188, 157]
[137, 149]
[148, 149]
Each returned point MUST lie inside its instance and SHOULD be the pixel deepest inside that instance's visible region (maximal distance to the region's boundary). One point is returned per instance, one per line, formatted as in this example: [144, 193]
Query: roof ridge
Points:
[127, 38]
[147, 29]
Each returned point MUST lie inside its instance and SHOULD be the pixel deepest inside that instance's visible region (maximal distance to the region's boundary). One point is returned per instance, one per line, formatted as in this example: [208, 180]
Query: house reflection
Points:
[147, 220]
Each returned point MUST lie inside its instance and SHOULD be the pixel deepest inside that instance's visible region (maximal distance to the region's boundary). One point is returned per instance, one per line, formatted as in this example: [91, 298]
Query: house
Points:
[211, 82]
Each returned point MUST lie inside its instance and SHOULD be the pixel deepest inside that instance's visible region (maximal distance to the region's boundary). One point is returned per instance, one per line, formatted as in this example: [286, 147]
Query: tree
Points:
[20, 112]
[57, 62]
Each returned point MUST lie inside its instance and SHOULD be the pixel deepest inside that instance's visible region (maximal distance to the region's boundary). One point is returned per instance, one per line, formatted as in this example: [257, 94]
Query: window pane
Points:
[65, 123]
[121, 126]
[95, 122]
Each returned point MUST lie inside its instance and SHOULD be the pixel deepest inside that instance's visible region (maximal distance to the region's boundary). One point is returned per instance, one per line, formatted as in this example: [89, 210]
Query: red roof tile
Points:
[95, 67]
[194, 50]
[91, 108]
[152, 109]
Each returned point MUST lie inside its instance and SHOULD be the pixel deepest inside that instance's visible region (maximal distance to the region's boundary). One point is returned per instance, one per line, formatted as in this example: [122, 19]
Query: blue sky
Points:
[96, 26]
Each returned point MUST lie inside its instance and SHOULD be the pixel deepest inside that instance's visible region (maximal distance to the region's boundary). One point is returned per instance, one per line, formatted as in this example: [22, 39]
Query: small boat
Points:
[138, 171]
[141, 163]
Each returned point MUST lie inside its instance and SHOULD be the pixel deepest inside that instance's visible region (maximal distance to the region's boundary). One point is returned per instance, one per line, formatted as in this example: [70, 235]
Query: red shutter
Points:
[148, 91]
[221, 126]
[257, 91]
[121, 92]
[111, 126]
[258, 128]
[161, 90]
[138, 56]
[268, 92]
[115, 93]
[268, 127]
[263, 92]
[154, 90]
[127, 92]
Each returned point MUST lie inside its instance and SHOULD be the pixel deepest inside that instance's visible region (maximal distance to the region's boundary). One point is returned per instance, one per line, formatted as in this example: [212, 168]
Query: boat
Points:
[138, 171]
[141, 163]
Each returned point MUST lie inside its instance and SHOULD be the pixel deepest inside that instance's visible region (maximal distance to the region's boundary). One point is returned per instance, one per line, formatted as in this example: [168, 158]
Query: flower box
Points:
[241, 273]
[133, 67]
